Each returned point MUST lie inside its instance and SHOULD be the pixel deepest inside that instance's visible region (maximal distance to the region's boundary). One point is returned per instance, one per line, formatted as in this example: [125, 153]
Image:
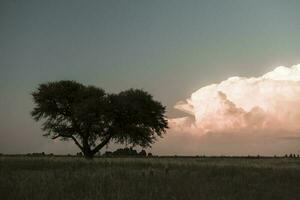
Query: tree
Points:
[92, 118]
[143, 153]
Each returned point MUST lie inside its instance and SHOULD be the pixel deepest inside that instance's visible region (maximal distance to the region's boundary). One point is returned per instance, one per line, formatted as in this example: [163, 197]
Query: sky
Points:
[167, 47]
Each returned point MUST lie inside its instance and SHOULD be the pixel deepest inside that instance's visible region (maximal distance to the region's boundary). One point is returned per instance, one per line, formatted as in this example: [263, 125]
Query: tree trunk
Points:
[88, 155]
[87, 152]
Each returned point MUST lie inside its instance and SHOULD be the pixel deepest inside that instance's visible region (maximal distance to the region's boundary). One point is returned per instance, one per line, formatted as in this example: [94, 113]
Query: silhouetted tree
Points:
[107, 153]
[92, 118]
[79, 154]
[125, 152]
[143, 153]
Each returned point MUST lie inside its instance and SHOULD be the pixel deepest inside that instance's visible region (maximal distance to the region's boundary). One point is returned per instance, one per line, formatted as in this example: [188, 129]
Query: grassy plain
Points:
[66, 178]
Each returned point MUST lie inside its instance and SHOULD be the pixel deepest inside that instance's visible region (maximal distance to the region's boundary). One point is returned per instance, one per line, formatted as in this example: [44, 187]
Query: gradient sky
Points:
[167, 47]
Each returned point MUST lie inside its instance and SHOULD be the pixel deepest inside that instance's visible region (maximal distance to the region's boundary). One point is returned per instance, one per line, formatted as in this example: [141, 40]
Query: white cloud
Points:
[241, 116]
[268, 102]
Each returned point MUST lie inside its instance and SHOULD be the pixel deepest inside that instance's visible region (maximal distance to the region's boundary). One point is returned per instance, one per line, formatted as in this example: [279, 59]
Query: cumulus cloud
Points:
[241, 115]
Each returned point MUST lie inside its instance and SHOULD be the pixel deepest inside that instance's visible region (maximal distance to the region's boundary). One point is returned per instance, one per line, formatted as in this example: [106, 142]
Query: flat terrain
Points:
[39, 178]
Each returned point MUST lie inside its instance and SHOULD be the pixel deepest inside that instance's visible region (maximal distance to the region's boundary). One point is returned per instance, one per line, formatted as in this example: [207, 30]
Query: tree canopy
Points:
[92, 118]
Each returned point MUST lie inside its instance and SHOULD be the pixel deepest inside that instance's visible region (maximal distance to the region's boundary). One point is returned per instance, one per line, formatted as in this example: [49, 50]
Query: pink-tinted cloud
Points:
[240, 116]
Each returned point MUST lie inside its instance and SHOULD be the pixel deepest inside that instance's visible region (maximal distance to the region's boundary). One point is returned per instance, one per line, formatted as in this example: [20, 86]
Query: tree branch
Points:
[77, 143]
[102, 144]
[53, 138]
[69, 136]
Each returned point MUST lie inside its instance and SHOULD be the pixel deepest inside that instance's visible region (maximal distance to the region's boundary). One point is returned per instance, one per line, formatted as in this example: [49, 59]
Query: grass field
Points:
[39, 178]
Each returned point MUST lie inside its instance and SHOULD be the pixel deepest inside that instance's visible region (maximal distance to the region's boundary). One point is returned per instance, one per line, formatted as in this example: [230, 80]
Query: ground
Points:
[41, 178]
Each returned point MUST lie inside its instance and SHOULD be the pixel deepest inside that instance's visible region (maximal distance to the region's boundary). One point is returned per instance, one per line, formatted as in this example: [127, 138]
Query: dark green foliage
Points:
[92, 118]
[138, 118]
[71, 178]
